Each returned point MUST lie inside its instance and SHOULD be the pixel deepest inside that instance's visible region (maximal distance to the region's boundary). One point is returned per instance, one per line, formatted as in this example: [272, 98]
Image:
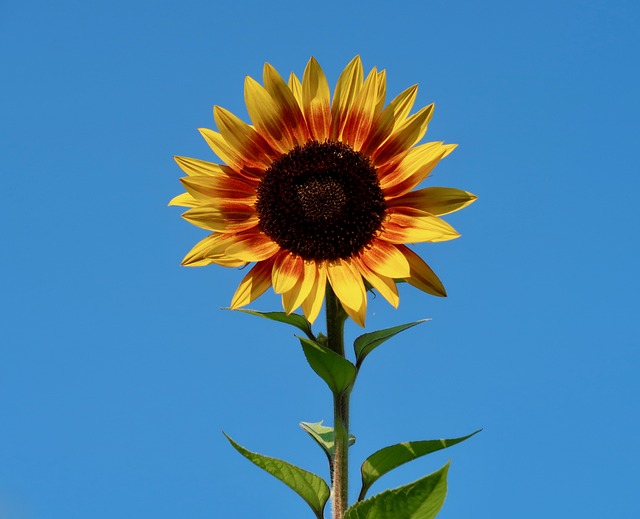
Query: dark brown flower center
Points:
[321, 201]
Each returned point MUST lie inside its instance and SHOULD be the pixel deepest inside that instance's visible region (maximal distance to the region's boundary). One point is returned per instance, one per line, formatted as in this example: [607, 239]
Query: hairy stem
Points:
[336, 317]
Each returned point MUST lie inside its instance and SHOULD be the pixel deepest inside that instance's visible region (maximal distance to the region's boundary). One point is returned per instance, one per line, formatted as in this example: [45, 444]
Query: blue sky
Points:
[118, 370]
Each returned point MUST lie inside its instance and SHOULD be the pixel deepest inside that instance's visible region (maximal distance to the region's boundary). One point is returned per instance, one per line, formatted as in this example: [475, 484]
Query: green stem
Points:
[336, 318]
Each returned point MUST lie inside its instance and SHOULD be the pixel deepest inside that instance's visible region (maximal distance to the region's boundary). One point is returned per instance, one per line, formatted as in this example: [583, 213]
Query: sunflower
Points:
[316, 191]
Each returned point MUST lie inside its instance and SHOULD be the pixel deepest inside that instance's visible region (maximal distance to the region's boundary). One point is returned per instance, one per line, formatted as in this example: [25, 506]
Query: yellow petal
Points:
[196, 167]
[347, 88]
[435, 200]
[312, 305]
[213, 246]
[384, 285]
[391, 117]
[422, 276]
[254, 284]
[401, 177]
[347, 284]
[296, 88]
[294, 297]
[223, 187]
[288, 271]
[385, 259]
[236, 219]
[290, 112]
[403, 228]
[382, 91]
[230, 156]
[316, 101]
[404, 137]
[244, 139]
[358, 315]
[266, 116]
[184, 200]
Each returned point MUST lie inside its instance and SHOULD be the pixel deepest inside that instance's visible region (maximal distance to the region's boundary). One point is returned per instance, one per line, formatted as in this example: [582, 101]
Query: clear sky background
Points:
[118, 370]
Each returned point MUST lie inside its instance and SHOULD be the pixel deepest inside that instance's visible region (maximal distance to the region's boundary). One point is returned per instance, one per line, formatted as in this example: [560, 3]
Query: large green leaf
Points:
[297, 320]
[336, 371]
[308, 486]
[421, 499]
[324, 436]
[388, 458]
[368, 342]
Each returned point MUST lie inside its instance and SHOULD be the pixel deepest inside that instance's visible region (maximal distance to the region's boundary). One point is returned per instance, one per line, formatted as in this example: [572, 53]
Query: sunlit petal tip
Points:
[312, 303]
[183, 200]
[422, 277]
[359, 316]
[254, 284]
[347, 284]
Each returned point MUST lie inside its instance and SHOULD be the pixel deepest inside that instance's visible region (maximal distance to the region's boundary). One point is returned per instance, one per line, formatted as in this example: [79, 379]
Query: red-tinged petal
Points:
[184, 200]
[295, 296]
[267, 116]
[401, 228]
[211, 189]
[384, 285]
[347, 88]
[361, 113]
[435, 200]
[254, 284]
[230, 156]
[413, 179]
[316, 101]
[288, 271]
[422, 276]
[244, 139]
[347, 284]
[385, 259]
[312, 305]
[418, 161]
[404, 137]
[290, 111]
[229, 220]
[390, 118]
[252, 246]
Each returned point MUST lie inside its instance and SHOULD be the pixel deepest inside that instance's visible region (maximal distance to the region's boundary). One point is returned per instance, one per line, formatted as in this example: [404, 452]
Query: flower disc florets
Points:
[321, 201]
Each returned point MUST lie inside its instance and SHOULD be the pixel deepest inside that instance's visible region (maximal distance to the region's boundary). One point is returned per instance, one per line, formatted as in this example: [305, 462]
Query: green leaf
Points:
[387, 459]
[421, 499]
[297, 320]
[336, 371]
[368, 342]
[308, 486]
[324, 436]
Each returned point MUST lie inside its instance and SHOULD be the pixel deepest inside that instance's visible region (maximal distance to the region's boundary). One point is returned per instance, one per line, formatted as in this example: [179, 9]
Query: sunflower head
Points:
[319, 190]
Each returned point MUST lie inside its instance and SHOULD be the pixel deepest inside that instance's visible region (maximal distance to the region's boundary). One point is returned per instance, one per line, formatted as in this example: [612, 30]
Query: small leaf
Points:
[308, 486]
[336, 371]
[297, 320]
[368, 342]
[388, 458]
[324, 436]
[421, 499]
